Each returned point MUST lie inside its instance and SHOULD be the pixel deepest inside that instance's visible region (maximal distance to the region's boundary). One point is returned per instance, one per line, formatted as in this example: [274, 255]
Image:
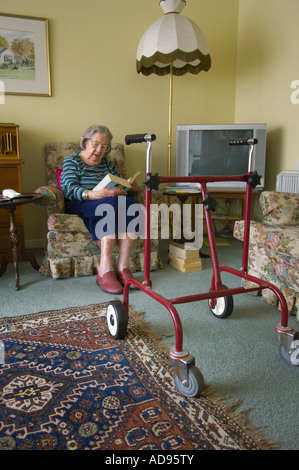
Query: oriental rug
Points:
[65, 384]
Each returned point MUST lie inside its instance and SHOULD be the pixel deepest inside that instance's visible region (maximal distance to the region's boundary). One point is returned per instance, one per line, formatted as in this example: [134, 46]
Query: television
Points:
[205, 150]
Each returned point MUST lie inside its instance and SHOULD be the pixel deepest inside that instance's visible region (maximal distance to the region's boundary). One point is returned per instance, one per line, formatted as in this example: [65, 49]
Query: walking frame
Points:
[188, 378]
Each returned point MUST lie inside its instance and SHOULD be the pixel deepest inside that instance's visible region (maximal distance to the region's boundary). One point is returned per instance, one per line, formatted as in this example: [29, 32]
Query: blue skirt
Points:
[110, 215]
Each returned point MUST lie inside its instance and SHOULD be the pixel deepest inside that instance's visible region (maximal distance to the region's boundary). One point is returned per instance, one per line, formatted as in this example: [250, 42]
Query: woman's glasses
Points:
[96, 144]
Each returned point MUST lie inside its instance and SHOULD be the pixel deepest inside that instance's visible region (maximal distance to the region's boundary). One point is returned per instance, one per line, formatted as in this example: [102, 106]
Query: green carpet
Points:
[237, 356]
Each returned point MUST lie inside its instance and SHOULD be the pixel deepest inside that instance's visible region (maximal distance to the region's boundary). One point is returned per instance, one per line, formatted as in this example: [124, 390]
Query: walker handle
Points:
[138, 138]
[243, 142]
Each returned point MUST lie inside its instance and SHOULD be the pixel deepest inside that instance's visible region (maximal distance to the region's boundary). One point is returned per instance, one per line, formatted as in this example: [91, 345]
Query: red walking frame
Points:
[188, 378]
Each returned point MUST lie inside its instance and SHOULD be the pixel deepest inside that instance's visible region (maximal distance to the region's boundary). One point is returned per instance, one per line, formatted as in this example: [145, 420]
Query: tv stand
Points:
[196, 198]
[229, 195]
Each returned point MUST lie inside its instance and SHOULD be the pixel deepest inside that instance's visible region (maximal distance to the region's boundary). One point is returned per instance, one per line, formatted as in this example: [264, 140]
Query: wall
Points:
[93, 48]
[268, 47]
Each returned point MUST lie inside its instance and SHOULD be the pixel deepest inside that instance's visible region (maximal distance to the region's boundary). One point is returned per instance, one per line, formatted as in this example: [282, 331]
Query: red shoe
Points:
[109, 283]
[123, 277]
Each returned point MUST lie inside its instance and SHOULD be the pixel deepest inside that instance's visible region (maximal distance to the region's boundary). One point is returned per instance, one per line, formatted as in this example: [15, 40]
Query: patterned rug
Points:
[65, 384]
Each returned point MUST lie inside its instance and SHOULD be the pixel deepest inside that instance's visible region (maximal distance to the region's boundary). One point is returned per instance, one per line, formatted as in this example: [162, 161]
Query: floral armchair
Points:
[274, 247]
[70, 250]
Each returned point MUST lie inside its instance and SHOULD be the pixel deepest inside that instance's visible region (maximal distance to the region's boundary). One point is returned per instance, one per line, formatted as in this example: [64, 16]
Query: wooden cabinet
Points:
[10, 177]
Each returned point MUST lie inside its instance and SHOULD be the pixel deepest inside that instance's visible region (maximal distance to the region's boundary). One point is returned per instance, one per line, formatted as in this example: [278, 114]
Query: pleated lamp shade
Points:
[173, 39]
[172, 45]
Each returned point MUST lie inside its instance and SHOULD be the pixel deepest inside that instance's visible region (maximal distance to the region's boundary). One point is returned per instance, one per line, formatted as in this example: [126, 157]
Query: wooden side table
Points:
[17, 253]
[10, 177]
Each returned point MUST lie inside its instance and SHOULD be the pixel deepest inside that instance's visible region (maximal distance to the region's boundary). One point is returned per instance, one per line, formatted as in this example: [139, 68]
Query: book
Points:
[179, 250]
[185, 260]
[109, 181]
[185, 265]
[133, 177]
[195, 188]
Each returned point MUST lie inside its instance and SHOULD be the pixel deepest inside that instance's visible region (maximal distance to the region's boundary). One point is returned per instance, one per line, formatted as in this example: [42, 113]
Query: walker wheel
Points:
[224, 306]
[195, 385]
[291, 359]
[117, 319]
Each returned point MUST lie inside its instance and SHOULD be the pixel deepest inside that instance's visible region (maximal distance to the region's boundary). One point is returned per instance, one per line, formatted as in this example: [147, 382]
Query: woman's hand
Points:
[106, 192]
[135, 186]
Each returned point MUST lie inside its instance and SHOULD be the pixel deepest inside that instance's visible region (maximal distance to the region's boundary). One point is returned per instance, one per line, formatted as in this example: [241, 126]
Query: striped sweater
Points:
[76, 176]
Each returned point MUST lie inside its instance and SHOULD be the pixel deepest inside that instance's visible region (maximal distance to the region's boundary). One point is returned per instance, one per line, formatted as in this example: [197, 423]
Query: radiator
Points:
[288, 182]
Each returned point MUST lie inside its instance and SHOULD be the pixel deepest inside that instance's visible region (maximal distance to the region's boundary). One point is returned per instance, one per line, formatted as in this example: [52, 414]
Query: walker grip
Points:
[243, 142]
[138, 138]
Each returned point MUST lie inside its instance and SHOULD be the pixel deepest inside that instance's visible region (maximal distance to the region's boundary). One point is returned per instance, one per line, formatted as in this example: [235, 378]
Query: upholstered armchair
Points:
[274, 247]
[70, 250]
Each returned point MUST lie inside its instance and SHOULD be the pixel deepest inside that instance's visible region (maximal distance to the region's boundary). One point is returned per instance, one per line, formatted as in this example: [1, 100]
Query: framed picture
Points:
[24, 55]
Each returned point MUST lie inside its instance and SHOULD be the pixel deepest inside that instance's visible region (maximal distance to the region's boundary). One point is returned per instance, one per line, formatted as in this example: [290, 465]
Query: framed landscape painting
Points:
[24, 55]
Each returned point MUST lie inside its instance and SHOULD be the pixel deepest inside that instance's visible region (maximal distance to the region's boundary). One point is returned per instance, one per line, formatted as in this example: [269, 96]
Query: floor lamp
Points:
[172, 45]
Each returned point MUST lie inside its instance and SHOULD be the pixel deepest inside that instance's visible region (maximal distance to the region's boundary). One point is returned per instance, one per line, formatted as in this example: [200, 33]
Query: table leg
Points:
[14, 238]
[26, 256]
[16, 252]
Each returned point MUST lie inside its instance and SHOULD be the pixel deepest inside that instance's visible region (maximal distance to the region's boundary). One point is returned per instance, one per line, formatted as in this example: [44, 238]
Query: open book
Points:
[109, 181]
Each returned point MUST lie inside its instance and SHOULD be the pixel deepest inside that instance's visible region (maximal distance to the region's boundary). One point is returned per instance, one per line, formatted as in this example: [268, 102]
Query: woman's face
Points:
[96, 148]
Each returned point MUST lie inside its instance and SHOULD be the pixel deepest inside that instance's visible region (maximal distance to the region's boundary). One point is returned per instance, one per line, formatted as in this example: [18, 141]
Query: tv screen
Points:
[205, 150]
[210, 153]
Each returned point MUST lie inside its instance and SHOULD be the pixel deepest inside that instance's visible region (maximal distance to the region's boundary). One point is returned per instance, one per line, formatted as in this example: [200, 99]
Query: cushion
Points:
[66, 223]
[284, 241]
[280, 208]
[58, 173]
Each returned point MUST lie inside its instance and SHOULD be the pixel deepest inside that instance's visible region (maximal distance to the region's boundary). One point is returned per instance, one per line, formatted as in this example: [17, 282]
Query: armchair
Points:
[70, 250]
[274, 247]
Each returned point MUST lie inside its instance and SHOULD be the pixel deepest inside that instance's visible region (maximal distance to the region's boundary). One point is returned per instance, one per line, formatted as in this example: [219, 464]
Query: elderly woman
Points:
[81, 173]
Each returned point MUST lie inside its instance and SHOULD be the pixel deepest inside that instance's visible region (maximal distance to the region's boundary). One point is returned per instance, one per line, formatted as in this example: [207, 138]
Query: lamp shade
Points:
[173, 40]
